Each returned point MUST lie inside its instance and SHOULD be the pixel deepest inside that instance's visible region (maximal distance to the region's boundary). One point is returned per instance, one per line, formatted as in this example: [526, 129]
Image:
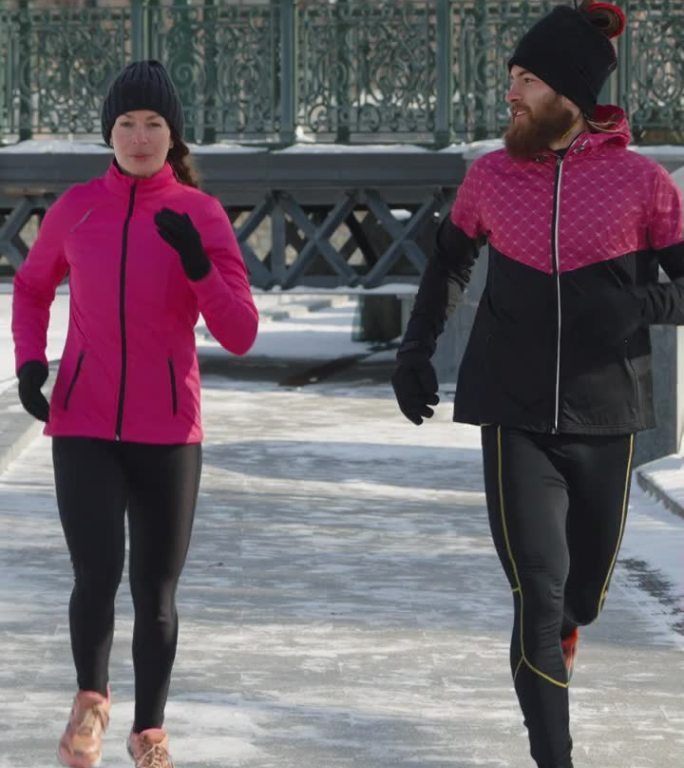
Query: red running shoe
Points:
[569, 650]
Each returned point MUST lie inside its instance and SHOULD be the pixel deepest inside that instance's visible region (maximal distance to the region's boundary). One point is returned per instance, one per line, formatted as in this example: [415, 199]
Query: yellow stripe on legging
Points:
[515, 571]
[517, 669]
[625, 496]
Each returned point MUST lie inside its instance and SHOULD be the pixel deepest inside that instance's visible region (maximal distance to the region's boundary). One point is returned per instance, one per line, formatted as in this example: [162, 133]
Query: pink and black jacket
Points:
[129, 370]
[560, 341]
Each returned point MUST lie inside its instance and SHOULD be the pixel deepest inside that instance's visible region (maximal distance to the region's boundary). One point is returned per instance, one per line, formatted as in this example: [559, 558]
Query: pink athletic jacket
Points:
[560, 342]
[602, 203]
[129, 369]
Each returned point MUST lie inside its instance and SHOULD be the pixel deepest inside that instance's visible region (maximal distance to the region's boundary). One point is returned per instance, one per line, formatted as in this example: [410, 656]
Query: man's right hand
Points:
[415, 386]
[32, 375]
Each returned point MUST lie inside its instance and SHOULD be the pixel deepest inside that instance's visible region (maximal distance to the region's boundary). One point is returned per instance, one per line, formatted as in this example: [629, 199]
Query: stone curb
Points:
[651, 487]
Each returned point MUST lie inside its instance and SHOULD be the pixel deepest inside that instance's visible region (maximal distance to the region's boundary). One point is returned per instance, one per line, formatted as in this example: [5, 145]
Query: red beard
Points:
[529, 136]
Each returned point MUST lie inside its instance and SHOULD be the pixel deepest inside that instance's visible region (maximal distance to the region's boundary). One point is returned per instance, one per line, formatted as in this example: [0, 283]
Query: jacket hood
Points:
[617, 126]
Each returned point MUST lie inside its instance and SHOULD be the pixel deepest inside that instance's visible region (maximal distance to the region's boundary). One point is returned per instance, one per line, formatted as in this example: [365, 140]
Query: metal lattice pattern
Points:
[420, 71]
[358, 241]
[13, 223]
[484, 35]
[651, 76]
[60, 65]
[223, 59]
[367, 68]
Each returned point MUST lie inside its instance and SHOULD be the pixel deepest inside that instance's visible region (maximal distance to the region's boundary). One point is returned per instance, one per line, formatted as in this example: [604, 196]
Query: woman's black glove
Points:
[415, 385]
[180, 233]
[32, 375]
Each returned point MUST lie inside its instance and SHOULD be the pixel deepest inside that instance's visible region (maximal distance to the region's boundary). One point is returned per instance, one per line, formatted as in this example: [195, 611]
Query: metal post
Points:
[137, 30]
[444, 74]
[342, 85]
[24, 71]
[479, 74]
[152, 28]
[288, 69]
[609, 92]
[624, 68]
[278, 240]
[181, 61]
[4, 101]
[210, 73]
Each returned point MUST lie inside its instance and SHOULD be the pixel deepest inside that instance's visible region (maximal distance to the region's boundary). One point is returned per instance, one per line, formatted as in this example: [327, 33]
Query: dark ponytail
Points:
[181, 162]
[604, 16]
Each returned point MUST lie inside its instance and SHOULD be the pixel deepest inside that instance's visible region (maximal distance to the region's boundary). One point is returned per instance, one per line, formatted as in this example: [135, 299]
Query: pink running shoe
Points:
[150, 748]
[81, 742]
[569, 649]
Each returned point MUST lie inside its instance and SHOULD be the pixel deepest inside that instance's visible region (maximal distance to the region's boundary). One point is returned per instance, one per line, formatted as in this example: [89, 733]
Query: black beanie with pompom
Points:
[570, 52]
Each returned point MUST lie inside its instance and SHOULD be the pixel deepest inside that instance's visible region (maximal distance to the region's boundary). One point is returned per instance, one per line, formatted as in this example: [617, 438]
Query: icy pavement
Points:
[342, 604]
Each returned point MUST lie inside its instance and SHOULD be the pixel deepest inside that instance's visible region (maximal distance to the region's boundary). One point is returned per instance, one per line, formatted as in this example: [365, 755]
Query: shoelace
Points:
[93, 716]
[155, 757]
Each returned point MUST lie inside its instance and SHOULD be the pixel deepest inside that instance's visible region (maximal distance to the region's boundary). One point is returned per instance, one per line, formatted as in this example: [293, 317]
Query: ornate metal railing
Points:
[274, 71]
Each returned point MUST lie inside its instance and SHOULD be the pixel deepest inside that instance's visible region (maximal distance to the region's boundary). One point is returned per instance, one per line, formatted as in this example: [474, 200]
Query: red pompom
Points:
[619, 19]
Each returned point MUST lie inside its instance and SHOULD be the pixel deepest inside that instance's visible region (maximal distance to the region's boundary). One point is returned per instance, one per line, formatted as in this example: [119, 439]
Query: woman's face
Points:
[141, 140]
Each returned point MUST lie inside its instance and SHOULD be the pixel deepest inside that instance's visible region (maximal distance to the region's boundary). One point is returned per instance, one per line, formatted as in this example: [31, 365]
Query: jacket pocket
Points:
[172, 381]
[73, 381]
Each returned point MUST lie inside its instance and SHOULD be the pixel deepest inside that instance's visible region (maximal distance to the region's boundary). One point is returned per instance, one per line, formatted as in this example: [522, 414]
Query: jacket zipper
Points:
[122, 313]
[174, 396]
[556, 272]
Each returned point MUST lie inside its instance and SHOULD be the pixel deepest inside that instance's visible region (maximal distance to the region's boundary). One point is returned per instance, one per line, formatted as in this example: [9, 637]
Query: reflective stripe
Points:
[604, 590]
[556, 266]
[518, 587]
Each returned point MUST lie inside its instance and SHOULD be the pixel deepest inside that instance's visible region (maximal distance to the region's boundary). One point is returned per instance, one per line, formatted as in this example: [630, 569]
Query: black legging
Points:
[96, 481]
[557, 507]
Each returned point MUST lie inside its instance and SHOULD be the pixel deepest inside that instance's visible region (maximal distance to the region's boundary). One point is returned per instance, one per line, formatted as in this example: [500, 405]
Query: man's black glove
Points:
[32, 375]
[415, 385]
[180, 233]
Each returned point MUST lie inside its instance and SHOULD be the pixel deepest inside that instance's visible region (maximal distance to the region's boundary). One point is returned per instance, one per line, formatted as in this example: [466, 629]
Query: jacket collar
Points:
[616, 129]
[617, 133]
[121, 184]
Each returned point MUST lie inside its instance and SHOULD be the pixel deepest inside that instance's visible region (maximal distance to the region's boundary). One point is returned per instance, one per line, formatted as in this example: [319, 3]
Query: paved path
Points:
[342, 603]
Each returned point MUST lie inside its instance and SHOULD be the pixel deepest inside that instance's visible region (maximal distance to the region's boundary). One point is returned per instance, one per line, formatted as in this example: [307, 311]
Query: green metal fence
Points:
[275, 71]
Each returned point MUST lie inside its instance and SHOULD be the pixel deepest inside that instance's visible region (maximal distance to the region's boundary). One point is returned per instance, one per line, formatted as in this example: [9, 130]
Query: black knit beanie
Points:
[142, 85]
[569, 53]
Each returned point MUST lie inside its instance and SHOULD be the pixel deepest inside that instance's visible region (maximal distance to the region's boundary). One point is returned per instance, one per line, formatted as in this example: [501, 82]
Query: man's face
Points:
[540, 117]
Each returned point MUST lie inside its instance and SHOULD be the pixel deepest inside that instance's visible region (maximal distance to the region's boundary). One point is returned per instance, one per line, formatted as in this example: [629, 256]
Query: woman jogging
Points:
[145, 251]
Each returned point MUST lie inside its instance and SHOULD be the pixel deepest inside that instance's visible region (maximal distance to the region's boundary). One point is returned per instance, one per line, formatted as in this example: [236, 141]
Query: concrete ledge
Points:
[241, 179]
[664, 480]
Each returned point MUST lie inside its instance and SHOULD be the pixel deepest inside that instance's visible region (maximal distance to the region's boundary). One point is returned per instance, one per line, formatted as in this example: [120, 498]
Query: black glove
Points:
[415, 386]
[180, 233]
[613, 315]
[32, 375]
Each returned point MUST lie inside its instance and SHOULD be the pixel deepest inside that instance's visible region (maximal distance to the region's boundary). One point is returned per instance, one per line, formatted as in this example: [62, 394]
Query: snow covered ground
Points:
[342, 603]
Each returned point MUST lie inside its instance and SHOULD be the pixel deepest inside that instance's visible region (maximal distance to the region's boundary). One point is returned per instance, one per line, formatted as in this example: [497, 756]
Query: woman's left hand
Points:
[180, 233]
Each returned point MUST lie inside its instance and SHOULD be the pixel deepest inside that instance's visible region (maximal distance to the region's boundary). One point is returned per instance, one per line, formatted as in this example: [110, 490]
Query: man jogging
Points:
[557, 371]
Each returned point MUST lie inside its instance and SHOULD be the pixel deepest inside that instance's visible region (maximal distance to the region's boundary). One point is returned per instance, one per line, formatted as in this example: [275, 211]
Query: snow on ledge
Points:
[55, 146]
[470, 152]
